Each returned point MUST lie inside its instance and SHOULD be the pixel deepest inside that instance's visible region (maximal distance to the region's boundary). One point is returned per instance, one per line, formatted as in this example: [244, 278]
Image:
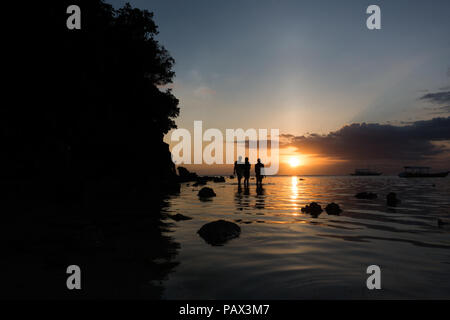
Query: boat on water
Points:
[421, 172]
[365, 172]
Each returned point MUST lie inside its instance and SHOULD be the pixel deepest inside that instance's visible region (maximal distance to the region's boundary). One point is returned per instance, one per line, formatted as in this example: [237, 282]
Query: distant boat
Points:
[365, 172]
[421, 172]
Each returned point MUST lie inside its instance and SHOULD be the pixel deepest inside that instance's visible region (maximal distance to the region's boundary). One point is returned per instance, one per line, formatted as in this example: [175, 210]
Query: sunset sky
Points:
[314, 71]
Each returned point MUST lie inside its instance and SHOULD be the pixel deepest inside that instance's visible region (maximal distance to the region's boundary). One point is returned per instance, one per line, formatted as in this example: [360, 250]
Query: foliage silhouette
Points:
[84, 169]
[98, 112]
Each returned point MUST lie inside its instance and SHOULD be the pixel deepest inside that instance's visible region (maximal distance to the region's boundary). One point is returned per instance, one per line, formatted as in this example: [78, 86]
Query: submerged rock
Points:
[179, 217]
[199, 183]
[366, 195]
[391, 199]
[219, 179]
[206, 192]
[185, 175]
[218, 232]
[333, 209]
[313, 209]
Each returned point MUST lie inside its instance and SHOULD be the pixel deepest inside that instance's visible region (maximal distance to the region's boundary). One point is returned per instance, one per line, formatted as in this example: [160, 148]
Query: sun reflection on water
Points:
[294, 194]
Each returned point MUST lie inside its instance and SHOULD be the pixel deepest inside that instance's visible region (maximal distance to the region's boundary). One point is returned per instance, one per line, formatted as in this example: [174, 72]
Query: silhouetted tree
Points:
[89, 126]
[83, 165]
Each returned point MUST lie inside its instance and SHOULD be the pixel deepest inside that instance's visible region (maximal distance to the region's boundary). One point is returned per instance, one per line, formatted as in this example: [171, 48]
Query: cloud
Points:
[437, 97]
[441, 99]
[438, 110]
[360, 141]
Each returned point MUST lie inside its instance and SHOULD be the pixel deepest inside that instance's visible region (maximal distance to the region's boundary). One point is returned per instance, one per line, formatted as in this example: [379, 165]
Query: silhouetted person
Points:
[239, 170]
[247, 166]
[259, 173]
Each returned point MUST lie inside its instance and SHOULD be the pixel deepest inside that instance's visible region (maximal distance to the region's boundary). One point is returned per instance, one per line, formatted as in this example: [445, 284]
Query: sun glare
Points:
[294, 161]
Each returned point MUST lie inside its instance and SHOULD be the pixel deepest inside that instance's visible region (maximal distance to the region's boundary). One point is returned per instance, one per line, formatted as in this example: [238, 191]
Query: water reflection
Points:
[283, 253]
[242, 199]
[125, 255]
[260, 198]
[294, 194]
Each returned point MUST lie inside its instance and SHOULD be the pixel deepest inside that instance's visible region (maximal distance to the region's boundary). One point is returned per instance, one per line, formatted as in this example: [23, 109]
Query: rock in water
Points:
[185, 175]
[391, 199]
[218, 232]
[313, 209]
[206, 193]
[333, 209]
[366, 195]
[219, 179]
[179, 217]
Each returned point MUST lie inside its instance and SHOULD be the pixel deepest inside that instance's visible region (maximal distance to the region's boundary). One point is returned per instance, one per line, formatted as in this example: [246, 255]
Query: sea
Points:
[284, 253]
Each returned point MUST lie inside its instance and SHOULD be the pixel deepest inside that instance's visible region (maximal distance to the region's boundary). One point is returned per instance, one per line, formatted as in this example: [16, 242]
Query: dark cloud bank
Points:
[437, 97]
[441, 99]
[418, 140]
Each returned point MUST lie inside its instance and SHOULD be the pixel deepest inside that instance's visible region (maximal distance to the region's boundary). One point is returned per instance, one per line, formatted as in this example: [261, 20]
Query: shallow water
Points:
[283, 253]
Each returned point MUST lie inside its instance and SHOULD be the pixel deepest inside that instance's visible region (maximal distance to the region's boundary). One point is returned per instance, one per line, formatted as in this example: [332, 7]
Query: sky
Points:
[313, 68]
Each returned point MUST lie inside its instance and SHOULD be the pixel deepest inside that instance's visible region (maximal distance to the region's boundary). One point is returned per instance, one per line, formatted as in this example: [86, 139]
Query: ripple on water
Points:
[283, 253]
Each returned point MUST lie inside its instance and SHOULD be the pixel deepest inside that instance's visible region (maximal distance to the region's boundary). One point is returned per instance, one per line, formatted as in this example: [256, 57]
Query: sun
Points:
[294, 161]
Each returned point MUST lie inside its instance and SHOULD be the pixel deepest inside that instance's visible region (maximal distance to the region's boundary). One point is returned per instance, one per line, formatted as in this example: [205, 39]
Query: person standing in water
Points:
[247, 166]
[239, 170]
[259, 173]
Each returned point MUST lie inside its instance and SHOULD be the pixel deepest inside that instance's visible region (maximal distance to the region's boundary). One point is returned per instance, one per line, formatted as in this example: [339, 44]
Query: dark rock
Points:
[183, 172]
[179, 217]
[366, 195]
[333, 209]
[170, 185]
[231, 177]
[206, 192]
[391, 199]
[201, 181]
[184, 175]
[313, 209]
[219, 179]
[218, 232]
